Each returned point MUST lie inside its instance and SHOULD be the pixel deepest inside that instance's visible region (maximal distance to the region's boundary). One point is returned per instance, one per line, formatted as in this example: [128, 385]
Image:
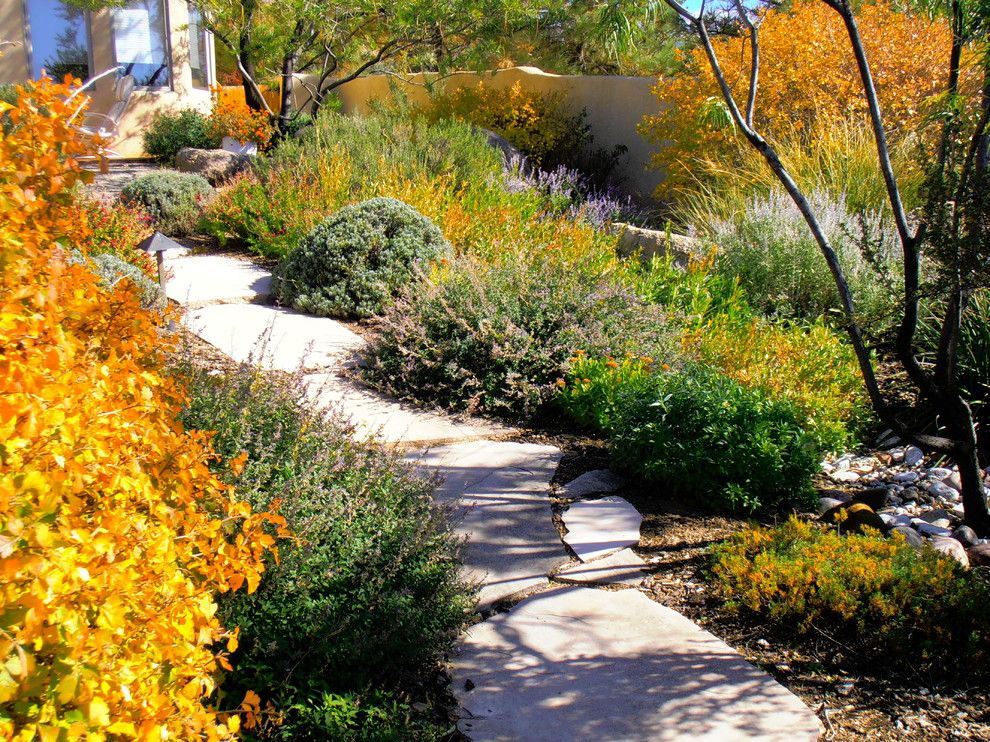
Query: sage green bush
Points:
[357, 260]
[173, 200]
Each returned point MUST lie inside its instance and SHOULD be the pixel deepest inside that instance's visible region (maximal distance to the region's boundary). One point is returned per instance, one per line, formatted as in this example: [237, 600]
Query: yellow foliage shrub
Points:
[812, 368]
[536, 123]
[114, 535]
[234, 118]
[808, 79]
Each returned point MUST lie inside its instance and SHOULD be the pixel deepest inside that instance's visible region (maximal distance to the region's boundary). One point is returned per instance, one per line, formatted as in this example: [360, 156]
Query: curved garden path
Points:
[569, 648]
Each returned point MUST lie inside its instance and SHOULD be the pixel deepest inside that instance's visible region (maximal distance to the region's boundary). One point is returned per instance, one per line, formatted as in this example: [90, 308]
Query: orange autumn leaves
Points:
[114, 535]
[808, 80]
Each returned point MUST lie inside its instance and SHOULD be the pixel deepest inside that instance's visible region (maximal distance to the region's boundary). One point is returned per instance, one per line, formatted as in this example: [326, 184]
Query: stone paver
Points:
[597, 528]
[376, 417]
[624, 567]
[597, 482]
[585, 665]
[275, 339]
[498, 492]
[200, 280]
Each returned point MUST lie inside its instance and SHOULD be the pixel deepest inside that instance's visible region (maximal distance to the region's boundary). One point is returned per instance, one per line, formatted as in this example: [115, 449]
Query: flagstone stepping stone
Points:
[376, 417]
[585, 665]
[275, 339]
[499, 496]
[624, 567]
[597, 528]
[197, 281]
[594, 482]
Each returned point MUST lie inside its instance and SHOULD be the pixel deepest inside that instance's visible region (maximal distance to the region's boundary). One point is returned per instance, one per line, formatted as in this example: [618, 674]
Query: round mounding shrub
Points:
[357, 260]
[112, 270]
[170, 132]
[173, 200]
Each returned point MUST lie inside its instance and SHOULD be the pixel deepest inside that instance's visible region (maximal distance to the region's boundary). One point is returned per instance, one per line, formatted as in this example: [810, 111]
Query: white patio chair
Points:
[104, 127]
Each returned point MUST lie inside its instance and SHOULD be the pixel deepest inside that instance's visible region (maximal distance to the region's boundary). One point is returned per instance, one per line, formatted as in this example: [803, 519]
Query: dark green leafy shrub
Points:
[708, 437]
[368, 596]
[879, 595]
[170, 132]
[497, 338]
[359, 259]
[173, 200]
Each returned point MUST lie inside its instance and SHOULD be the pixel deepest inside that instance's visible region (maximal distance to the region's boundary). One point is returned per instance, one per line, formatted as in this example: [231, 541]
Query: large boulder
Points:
[216, 165]
[855, 516]
[509, 151]
[650, 243]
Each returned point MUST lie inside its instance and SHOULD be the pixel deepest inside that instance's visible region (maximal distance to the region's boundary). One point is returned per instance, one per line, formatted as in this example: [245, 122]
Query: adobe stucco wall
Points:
[615, 106]
[145, 104]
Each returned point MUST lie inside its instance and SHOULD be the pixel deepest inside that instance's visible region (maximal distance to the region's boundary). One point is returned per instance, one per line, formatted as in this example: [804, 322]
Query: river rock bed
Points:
[895, 491]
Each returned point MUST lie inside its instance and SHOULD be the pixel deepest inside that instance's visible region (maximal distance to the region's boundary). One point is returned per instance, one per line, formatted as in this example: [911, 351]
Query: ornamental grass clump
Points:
[877, 595]
[357, 260]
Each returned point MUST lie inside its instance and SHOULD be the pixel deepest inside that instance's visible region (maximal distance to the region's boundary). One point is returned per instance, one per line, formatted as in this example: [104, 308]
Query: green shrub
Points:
[170, 132]
[811, 366]
[701, 433]
[879, 595]
[173, 200]
[596, 390]
[112, 270]
[368, 596]
[780, 267]
[353, 263]
[495, 338]
[372, 717]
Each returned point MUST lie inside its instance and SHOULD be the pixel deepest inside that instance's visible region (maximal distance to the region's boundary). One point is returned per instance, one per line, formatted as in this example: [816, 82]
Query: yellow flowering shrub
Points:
[536, 123]
[808, 78]
[879, 592]
[114, 535]
[811, 367]
[234, 118]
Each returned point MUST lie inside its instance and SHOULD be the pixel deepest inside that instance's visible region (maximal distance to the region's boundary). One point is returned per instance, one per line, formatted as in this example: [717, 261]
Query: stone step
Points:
[624, 568]
[588, 665]
[375, 417]
[275, 339]
[597, 528]
[498, 493]
[201, 280]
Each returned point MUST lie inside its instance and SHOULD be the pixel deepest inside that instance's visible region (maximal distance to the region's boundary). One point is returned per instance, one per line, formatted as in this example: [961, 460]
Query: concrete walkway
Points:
[593, 661]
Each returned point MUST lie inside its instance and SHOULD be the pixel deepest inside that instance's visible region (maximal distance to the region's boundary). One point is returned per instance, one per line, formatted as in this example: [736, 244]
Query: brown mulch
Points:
[856, 697]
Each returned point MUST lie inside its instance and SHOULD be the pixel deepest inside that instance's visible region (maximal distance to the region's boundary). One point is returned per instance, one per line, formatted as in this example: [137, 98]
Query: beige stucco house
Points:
[159, 42]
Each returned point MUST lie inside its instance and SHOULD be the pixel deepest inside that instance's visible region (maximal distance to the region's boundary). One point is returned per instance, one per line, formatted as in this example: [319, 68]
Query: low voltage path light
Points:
[156, 245]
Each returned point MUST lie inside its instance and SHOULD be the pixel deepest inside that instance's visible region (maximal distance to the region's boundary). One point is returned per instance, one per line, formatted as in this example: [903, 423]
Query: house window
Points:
[199, 50]
[59, 39]
[140, 42]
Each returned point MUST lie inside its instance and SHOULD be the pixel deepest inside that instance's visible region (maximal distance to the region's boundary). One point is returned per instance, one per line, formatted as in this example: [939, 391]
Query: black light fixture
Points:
[156, 245]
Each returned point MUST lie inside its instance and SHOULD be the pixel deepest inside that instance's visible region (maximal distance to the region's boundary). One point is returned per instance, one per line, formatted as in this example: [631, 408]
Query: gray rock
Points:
[907, 477]
[845, 476]
[951, 547]
[910, 535]
[597, 528]
[928, 529]
[651, 243]
[913, 455]
[936, 517]
[943, 491]
[216, 165]
[966, 536]
[910, 494]
[599, 481]
[509, 151]
[939, 473]
[954, 481]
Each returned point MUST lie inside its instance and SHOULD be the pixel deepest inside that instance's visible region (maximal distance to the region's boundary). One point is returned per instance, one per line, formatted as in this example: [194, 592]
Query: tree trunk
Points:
[966, 456]
[245, 55]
